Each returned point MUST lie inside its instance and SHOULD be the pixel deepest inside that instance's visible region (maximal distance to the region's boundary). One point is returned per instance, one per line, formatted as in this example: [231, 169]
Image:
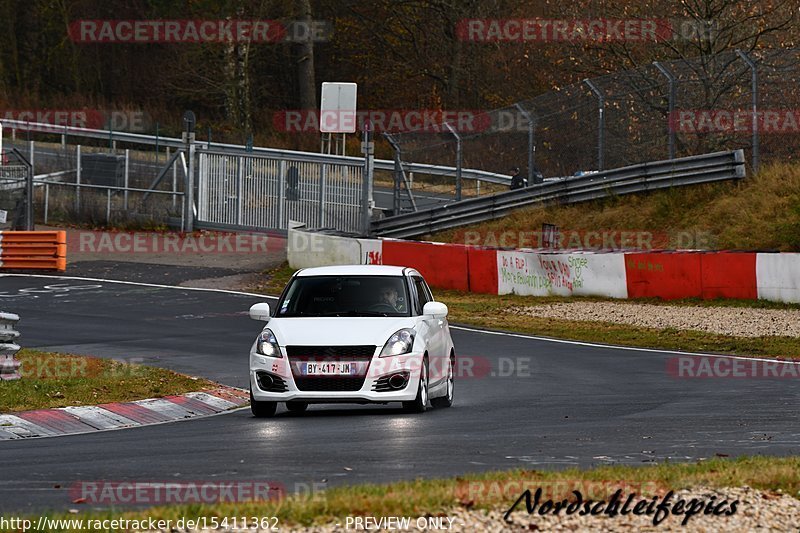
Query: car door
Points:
[435, 332]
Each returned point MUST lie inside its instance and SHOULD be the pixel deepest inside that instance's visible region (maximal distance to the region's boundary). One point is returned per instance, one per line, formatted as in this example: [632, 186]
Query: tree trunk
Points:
[306, 81]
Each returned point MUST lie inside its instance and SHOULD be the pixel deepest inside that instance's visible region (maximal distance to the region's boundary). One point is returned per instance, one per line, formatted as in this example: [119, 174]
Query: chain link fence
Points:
[660, 111]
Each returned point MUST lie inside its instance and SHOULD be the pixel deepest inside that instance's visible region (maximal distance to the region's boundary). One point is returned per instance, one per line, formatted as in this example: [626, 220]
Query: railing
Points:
[297, 156]
[9, 367]
[644, 177]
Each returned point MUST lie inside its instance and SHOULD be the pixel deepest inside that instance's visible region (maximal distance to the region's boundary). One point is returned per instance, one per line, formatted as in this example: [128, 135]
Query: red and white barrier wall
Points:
[660, 274]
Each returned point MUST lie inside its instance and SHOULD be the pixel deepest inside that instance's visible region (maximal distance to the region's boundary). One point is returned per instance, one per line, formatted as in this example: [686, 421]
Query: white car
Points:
[352, 334]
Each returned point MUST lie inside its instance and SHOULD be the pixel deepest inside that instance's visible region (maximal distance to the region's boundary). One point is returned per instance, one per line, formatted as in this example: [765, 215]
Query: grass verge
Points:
[488, 311]
[487, 490]
[61, 380]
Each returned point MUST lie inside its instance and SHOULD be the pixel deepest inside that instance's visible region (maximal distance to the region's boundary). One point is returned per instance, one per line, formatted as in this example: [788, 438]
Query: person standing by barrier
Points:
[518, 181]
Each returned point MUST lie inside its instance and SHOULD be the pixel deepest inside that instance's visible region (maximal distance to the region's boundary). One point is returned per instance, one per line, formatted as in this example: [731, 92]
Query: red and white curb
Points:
[86, 419]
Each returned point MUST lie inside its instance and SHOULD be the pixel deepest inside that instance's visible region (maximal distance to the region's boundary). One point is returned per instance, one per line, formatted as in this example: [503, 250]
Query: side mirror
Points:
[260, 312]
[435, 309]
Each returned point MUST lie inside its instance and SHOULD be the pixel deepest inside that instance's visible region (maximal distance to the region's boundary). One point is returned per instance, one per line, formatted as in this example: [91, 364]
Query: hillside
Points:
[762, 212]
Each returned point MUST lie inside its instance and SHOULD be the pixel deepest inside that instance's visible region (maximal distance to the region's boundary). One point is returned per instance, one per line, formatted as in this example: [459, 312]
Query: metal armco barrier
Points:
[9, 367]
[40, 250]
[645, 177]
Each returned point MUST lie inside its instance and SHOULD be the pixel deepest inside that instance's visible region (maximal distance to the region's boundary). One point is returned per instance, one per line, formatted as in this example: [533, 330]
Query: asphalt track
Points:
[545, 404]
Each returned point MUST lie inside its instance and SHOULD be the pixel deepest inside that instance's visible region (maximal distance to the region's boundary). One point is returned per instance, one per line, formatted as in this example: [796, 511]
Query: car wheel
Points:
[447, 399]
[262, 409]
[420, 403]
[296, 407]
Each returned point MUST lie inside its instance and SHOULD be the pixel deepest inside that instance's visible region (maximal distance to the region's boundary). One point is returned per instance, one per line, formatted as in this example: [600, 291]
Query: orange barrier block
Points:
[41, 250]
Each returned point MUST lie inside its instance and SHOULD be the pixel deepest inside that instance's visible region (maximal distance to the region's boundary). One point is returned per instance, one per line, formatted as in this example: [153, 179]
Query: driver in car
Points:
[389, 296]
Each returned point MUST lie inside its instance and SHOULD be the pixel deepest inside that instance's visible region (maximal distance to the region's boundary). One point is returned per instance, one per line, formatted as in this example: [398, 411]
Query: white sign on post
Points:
[3, 216]
[338, 108]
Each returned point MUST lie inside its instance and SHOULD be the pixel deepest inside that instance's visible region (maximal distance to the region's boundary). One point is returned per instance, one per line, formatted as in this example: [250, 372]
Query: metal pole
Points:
[671, 107]
[367, 202]
[531, 143]
[78, 179]
[31, 153]
[281, 192]
[239, 189]
[459, 157]
[29, 200]
[754, 93]
[323, 178]
[397, 173]
[601, 122]
[46, 201]
[189, 187]
[108, 205]
[127, 176]
[156, 144]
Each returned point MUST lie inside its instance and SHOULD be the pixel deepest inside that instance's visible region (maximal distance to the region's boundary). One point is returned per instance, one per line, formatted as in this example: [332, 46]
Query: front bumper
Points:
[375, 376]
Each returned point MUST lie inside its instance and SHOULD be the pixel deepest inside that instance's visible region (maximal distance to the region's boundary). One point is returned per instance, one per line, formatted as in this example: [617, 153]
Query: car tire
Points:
[262, 409]
[296, 407]
[420, 403]
[447, 399]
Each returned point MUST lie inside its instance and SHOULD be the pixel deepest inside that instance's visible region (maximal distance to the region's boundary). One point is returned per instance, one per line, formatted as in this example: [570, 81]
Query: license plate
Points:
[329, 369]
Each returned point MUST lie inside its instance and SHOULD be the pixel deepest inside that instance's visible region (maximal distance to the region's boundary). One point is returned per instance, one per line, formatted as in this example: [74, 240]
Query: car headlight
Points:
[267, 344]
[399, 343]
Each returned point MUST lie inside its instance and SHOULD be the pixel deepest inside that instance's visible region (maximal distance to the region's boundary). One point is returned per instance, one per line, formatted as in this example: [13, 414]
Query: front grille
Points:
[332, 353]
[277, 385]
[330, 384]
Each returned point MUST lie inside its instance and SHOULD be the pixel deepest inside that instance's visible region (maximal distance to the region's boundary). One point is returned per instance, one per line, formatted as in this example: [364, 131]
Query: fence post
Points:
[531, 143]
[398, 172]
[670, 106]
[31, 152]
[754, 94]
[46, 200]
[281, 192]
[459, 159]
[29, 199]
[239, 188]
[323, 178]
[189, 120]
[78, 179]
[127, 177]
[601, 122]
[367, 202]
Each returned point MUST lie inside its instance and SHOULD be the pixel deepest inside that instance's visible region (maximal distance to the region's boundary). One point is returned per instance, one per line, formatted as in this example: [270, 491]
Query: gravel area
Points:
[734, 321]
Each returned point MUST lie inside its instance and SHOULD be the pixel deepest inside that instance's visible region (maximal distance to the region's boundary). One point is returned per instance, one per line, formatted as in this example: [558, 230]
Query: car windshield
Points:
[315, 296]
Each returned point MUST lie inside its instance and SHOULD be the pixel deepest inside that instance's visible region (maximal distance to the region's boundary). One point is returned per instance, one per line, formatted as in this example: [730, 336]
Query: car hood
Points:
[337, 331]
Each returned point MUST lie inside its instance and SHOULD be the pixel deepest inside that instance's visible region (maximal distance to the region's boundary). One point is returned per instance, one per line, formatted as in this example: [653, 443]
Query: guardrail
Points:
[40, 250]
[9, 367]
[644, 177]
[307, 157]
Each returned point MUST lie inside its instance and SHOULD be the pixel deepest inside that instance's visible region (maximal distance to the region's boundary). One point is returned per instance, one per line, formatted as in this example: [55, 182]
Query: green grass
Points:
[61, 380]
[488, 490]
[761, 212]
[489, 311]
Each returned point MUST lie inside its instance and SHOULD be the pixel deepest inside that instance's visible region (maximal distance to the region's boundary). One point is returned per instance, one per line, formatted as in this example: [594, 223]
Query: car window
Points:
[344, 296]
[423, 292]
